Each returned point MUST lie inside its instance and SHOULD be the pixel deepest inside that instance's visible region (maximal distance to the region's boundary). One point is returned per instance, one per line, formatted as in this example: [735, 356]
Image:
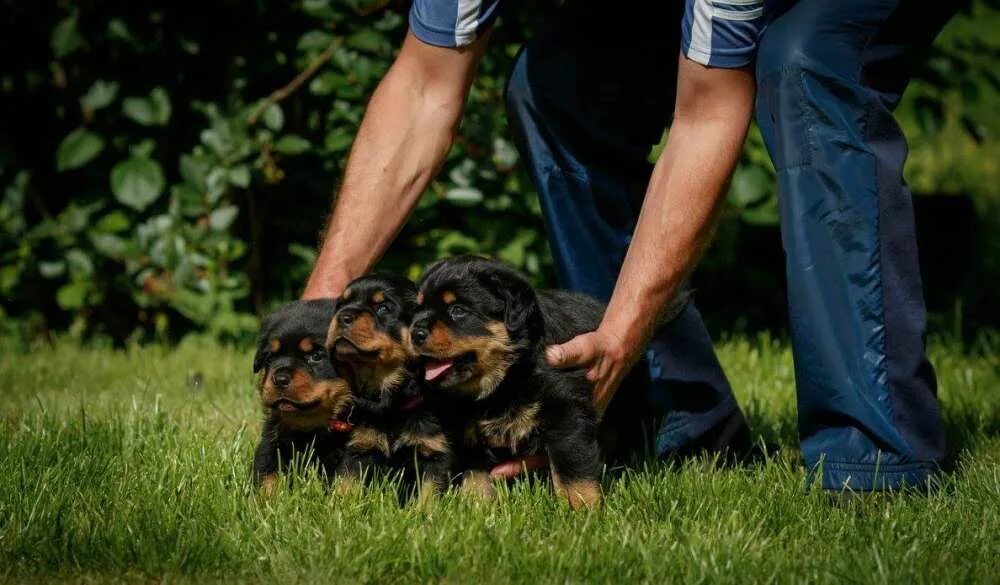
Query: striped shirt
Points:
[717, 33]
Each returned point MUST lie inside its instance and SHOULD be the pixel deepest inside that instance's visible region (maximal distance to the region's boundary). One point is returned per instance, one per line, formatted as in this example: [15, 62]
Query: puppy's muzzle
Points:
[419, 335]
[281, 378]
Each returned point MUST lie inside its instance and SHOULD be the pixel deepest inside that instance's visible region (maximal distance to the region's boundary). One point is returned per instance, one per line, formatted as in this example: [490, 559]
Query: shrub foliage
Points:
[168, 167]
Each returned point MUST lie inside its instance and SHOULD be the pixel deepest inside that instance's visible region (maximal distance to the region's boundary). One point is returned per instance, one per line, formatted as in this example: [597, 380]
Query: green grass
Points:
[114, 466]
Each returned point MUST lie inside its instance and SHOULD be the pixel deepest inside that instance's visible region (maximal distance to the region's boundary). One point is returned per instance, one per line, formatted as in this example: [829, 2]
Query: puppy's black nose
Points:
[281, 379]
[346, 318]
[418, 335]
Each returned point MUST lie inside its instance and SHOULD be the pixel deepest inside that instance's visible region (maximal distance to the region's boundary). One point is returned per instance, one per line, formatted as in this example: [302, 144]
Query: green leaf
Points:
[326, 83]
[338, 140]
[77, 149]
[161, 105]
[72, 295]
[80, 265]
[149, 111]
[504, 154]
[118, 30]
[140, 110]
[291, 144]
[76, 218]
[66, 37]
[137, 182]
[109, 245]
[239, 176]
[465, 196]
[371, 41]
[223, 217]
[194, 170]
[52, 269]
[314, 40]
[274, 117]
[750, 185]
[114, 222]
[318, 9]
[100, 95]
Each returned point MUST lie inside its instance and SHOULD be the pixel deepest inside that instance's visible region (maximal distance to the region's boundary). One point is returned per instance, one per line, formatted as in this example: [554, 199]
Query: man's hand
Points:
[605, 357]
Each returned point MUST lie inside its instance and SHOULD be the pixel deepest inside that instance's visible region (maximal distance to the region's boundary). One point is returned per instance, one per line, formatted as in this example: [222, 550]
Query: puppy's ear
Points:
[263, 353]
[521, 311]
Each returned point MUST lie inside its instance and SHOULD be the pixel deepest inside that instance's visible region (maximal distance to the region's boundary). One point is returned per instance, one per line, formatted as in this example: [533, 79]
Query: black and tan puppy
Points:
[481, 331]
[394, 426]
[302, 396]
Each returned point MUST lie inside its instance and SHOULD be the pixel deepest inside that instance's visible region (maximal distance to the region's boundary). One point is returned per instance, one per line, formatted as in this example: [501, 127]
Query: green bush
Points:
[152, 188]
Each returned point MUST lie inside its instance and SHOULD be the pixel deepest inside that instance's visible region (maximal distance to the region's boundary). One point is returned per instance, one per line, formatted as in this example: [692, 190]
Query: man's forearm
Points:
[687, 185]
[404, 137]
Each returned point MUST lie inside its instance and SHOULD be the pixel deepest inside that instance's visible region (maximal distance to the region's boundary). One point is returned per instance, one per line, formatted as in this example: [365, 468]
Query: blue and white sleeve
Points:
[451, 23]
[722, 33]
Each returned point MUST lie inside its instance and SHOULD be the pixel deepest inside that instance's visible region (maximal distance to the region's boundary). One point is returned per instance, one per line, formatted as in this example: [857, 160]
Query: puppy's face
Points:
[368, 334]
[299, 384]
[475, 318]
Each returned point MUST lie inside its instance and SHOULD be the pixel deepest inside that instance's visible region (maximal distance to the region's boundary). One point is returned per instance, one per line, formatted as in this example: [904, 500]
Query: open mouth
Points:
[347, 349]
[436, 368]
[288, 405]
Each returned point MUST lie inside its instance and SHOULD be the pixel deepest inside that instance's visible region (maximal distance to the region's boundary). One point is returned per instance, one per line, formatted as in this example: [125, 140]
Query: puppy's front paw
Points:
[268, 485]
[478, 485]
[581, 493]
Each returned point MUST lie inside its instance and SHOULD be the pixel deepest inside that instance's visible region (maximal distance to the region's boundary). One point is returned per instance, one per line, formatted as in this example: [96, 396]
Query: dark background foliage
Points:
[150, 189]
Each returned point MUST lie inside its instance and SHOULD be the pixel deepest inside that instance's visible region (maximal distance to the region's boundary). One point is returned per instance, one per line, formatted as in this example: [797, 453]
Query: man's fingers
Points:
[576, 352]
[512, 469]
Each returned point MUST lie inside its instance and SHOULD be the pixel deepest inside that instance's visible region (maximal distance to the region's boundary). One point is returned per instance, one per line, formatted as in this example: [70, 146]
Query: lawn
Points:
[134, 465]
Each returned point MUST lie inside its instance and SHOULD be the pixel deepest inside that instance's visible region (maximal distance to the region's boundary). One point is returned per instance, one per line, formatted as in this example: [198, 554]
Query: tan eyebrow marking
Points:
[275, 344]
[448, 297]
[306, 345]
[378, 297]
[420, 297]
[347, 293]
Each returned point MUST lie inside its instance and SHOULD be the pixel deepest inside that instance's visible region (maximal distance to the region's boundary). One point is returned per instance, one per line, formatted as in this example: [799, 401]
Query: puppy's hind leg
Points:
[574, 457]
[355, 467]
[434, 477]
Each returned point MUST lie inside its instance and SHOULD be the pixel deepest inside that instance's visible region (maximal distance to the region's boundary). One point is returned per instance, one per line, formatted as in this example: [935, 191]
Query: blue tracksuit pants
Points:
[593, 91]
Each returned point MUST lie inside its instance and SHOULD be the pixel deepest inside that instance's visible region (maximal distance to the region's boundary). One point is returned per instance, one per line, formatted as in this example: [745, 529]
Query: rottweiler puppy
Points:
[394, 427]
[481, 332]
[301, 394]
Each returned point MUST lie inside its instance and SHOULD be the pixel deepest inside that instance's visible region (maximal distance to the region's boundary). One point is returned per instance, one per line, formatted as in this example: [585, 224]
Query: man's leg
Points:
[829, 74]
[587, 99]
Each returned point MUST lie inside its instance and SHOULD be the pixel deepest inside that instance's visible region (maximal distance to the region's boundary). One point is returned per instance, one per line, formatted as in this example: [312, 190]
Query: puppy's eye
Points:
[457, 312]
[382, 309]
[316, 356]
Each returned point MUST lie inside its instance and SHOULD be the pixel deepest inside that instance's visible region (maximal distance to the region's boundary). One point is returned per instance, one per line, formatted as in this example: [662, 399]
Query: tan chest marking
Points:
[426, 445]
[510, 430]
[369, 439]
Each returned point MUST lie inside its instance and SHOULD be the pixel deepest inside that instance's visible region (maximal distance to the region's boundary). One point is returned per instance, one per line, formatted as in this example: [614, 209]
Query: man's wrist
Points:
[628, 330]
[325, 283]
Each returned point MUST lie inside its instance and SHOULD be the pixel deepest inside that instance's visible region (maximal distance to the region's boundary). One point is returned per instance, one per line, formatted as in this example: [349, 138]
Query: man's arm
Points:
[405, 135]
[710, 122]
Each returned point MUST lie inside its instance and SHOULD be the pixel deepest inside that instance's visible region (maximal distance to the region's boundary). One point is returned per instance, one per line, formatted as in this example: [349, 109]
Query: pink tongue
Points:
[435, 370]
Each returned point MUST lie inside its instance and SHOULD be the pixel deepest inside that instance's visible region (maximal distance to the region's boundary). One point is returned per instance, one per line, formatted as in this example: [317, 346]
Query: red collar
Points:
[340, 426]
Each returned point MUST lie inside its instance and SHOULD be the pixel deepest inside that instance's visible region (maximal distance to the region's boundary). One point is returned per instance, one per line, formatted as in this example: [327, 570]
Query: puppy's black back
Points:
[568, 314]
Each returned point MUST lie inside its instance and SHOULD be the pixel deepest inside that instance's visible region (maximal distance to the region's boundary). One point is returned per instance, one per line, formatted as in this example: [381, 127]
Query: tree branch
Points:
[295, 83]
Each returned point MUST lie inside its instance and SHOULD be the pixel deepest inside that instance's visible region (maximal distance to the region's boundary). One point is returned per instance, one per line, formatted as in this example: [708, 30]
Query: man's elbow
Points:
[711, 93]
